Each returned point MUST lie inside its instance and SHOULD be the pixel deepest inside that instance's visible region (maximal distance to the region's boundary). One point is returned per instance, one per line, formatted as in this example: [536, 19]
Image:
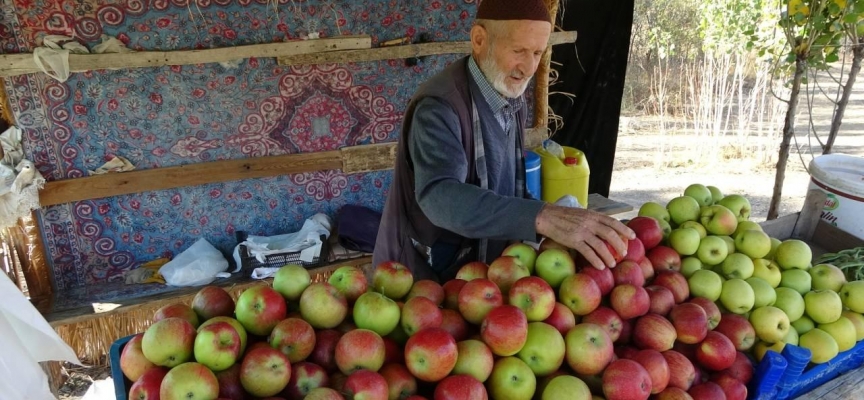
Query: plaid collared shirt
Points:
[504, 109]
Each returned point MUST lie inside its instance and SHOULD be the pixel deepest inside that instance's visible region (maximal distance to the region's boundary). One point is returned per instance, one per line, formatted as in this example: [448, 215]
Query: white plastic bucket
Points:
[841, 177]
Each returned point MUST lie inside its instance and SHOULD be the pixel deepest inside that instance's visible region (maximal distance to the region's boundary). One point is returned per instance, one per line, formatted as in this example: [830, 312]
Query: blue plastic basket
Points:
[121, 384]
[786, 376]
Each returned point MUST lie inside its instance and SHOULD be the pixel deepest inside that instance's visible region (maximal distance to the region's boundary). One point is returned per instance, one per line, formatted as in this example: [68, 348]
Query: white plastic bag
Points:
[198, 265]
[110, 44]
[307, 241]
[53, 62]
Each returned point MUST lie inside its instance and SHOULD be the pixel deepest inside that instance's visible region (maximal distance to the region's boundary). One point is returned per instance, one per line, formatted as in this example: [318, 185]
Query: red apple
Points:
[647, 230]
[504, 330]
[626, 380]
[630, 301]
[628, 272]
[647, 268]
[654, 332]
[420, 313]
[579, 293]
[360, 349]
[716, 352]
[459, 387]
[738, 329]
[365, 385]
[626, 351]
[661, 300]
[324, 307]
[264, 371]
[473, 270]
[742, 369]
[324, 394]
[169, 342]
[615, 255]
[711, 310]
[451, 293]
[428, 289]
[688, 350]
[259, 309]
[707, 391]
[431, 354]
[324, 353]
[337, 381]
[657, 368]
[626, 331]
[217, 346]
[177, 310]
[676, 283]
[561, 318]
[392, 279]
[147, 385]
[505, 271]
[392, 351]
[690, 321]
[635, 250]
[588, 349]
[349, 280]
[477, 298]
[547, 244]
[673, 393]
[213, 301]
[681, 370]
[732, 388]
[294, 337]
[453, 323]
[534, 297]
[606, 318]
[664, 258]
[229, 383]
[305, 376]
[132, 360]
[190, 381]
[244, 337]
[400, 382]
[604, 278]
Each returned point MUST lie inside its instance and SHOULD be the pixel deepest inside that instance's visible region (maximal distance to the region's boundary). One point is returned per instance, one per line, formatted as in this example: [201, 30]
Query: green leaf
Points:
[831, 58]
[850, 18]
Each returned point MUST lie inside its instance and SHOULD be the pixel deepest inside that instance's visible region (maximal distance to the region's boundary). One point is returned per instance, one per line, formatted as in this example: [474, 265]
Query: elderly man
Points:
[458, 192]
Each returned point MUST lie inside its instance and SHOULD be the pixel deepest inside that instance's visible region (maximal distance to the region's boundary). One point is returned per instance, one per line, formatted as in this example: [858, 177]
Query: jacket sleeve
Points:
[440, 172]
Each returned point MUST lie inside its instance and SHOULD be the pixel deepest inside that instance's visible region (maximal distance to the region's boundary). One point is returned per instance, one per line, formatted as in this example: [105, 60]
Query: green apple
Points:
[822, 346]
[553, 265]
[843, 331]
[746, 226]
[767, 270]
[665, 227]
[858, 321]
[712, 251]
[753, 243]
[683, 209]
[775, 243]
[291, 280]
[739, 205]
[524, 252]
[790, 301]
[852, 294]
[823, 306]
[376, 312]
[797, 279]
[793, 253]
[730, 244]
[760, 348]
[685, 241]
[765, 294]
[511, 379]
[803, 325]
[689, 265]
[771, 323]
[566, 387]
[716, 194]
[654, 210]
[737, 296]
[791, 337]
[700, 193]
[737, 265]
[718, 220]
[697, 226]
[543, 350]
[705, 283]
[827, 277]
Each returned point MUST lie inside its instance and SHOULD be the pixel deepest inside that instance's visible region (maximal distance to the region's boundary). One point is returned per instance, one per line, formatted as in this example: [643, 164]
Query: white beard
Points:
[498, 78]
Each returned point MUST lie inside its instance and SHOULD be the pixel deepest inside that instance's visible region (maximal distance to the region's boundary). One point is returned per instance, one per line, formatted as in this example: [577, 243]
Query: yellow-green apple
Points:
[730, 244]
[791, 337]
[561, 318]
[626, 380]
[259, 309]
[700, 193]
[132, 360]
[664, 258]
[451, 293]
[744, 226]
[770, 323]
[676, 283]
[767, 270]
[324, 393]
[544, 349]
[511, 379]
[857, 321]
[775, 243]
[793, 253]
[392, 279]
[265, 371]
[712, 250]
[565, 387]
[697, 226]
[237, 326]
[190, 380]
[689, 322]
[581, 294]
[376, 312]
[753, 243]
[548, 243]
[305, 376]
[524, 252]
[431, 354]
[588, 349]
[823, 306]
[604, 278]
[168, 342]
[805, 324]
[666, 227]
[291, 280]
[473, 270]
[822, 346]
[654, 332]
[456, 387]
[474, 359]
[217, 346]
[212, 301]
[716, 194]
[630, 301]
[739, 205]
[760, 348]
[765, 294]
[324, 353]
[147, 385]
[647, 268]
[827, 277]
[504, 271]
[365, 385]
[400, 382]
[553, 266]
[477, 298]
[453, 323]
[742, 369]
[705, 283]
[716, 352]
[691, 264]
[294, 337]
[711, 311]
[648, 230]
[790, 301]
[504, 330]
[429, 289]
[606, 318]
[359, 349]
[177, 310]
[419, 313]
[660, 300]
[673, 393]
[635, 250]
[685, 241]
[737, 265]
[657, 367]
[737, 296]
[533, 296]
[349, 280]
[628, 271]
[732, 388]
[683, 209]
[843, 331]
[718, 220]
[852, 294]
[707, 390]
[323, 306]
[738, 329]
[654, 210]
[682, 373]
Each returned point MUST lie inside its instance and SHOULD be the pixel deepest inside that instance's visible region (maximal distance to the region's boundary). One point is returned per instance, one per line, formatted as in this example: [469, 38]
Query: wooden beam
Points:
[20, 64]
[374, 157]
[541, 77]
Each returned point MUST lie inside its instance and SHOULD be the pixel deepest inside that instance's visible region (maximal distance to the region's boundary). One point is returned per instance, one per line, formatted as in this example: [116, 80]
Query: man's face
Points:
[510, 57]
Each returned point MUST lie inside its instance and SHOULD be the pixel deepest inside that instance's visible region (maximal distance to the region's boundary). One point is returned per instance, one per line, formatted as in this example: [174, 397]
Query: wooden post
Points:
[541, 78]
[34, 264]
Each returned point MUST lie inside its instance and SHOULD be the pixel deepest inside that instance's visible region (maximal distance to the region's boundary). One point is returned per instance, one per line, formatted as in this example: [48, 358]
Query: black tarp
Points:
[594, 72]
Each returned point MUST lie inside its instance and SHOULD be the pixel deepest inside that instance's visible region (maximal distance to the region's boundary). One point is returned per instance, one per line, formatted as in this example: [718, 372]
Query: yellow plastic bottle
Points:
[563, 177]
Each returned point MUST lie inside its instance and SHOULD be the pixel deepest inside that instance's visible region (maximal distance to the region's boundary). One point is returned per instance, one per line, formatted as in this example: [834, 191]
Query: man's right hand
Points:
[585, 231]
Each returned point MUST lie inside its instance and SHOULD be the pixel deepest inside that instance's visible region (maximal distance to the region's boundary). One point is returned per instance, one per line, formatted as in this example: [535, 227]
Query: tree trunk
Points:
[840, 110]
[788, 131]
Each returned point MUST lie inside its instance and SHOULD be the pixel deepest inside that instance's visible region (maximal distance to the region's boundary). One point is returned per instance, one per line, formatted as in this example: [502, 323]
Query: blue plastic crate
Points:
[785, 376]
[121, 384]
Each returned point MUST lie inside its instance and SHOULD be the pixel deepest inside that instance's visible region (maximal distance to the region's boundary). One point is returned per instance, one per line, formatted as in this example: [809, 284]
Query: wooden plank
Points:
[597, 202]
[375, 157]
[20, 64]
[847, 386]
[98, 186]
[400, 52]
[834, 239]
[810, 215]
[781, 228]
